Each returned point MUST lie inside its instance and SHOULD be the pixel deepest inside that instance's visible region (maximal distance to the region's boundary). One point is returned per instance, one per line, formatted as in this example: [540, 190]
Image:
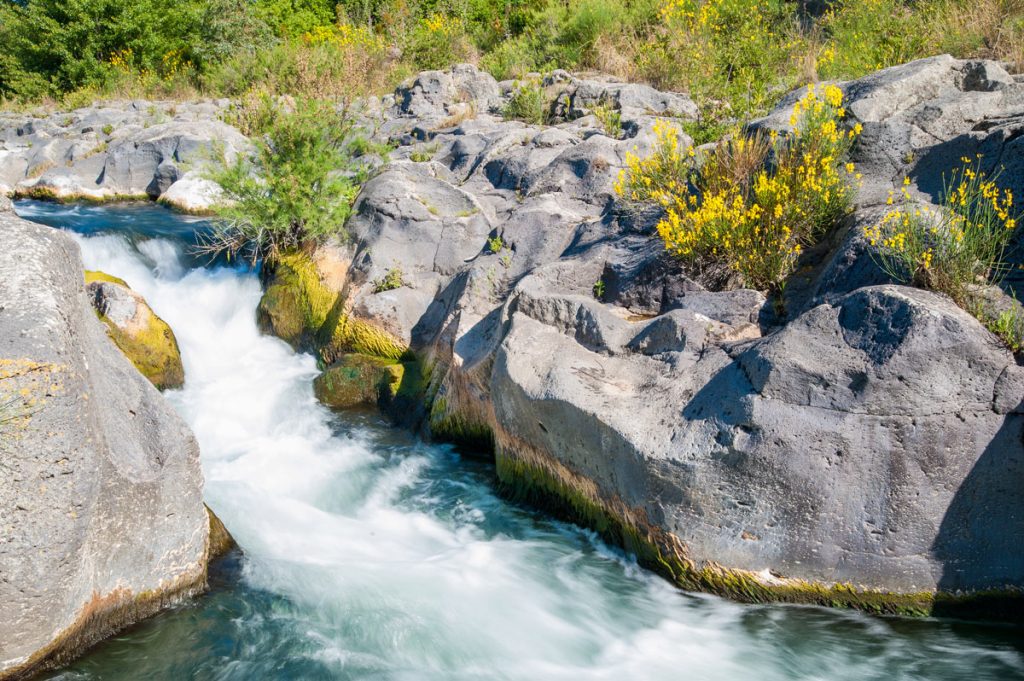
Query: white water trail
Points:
[396, 567]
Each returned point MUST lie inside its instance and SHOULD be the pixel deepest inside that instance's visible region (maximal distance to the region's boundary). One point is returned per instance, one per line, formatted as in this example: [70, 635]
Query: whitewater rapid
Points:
[370, 555]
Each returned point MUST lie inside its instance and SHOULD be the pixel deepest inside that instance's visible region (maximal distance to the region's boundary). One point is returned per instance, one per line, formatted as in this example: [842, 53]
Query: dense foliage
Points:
[735, 56]
[298, 187]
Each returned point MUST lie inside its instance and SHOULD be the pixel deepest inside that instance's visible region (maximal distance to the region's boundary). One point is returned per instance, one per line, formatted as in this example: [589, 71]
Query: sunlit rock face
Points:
[119, 150]
[101, 496]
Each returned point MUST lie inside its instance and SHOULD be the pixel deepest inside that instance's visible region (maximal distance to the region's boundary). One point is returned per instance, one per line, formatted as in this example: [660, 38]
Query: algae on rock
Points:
[305, 305]
[142, 336]
[356, 380]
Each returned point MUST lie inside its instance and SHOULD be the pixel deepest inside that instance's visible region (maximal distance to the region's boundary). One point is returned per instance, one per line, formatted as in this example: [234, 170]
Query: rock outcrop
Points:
[142, 336]
[101, 493]
[862, 449]
[118, 150]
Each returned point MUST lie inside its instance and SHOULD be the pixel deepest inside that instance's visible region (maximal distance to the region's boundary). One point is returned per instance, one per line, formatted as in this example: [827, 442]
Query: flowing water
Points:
[371, 555]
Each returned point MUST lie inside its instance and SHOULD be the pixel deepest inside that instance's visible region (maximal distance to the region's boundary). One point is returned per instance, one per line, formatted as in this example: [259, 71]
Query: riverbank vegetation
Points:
[736, 57]
[747, 208]
[298, 186]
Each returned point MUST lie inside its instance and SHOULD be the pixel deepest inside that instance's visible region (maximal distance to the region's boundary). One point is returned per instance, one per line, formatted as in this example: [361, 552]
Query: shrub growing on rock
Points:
[298, 187]
[528, 104]
[392, 279]
[732, 212]
[955, 247]
[438, 41]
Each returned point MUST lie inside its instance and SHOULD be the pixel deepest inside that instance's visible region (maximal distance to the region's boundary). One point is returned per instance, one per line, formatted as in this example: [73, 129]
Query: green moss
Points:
[47, 194]
[153, 349]
[542, 486]
[355, 380]
[452, 425]
[414, 382]
[300, 309]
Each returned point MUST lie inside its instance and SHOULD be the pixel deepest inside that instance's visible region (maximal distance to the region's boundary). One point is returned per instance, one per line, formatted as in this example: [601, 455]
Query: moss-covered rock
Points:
[221, 541]
[461, 411]
[528, 475]
[355, 380]
[141, 335]
[305, 305]
[459, 427]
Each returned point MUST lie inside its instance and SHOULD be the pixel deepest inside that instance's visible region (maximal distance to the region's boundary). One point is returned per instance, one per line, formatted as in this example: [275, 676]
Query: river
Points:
[369, 554]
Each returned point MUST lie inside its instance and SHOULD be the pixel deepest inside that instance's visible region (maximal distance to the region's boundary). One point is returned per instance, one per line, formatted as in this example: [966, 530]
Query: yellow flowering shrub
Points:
[729, 211]
[949, 248]
[438, 41]
[345, 36]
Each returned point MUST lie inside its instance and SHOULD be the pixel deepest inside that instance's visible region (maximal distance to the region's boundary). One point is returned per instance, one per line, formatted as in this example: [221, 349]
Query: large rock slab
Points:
[850, 447]
[101, 496]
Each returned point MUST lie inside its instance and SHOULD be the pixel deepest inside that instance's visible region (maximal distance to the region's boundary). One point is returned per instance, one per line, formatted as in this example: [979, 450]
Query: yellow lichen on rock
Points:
[142, 336]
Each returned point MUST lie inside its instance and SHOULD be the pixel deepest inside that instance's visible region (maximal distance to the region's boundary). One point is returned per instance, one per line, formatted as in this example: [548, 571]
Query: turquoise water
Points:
[371, 555]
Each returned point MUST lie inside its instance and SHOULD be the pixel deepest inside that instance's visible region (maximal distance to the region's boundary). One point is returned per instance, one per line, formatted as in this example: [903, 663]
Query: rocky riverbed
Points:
[854, 443]
[860, 448]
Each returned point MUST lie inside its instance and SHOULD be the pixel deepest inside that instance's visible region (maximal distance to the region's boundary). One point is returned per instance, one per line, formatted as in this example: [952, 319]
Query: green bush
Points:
[951, 249]
[610, 119]
[292, 18]
[328, 63]
[528, 104]
[392, 279]
[439, 41]
[512, 58]
[867, 35]
[296, 190]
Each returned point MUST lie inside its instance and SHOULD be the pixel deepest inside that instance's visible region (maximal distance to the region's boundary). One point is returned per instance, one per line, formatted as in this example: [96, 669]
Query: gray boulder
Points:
[435, 94]
[101, 496]
[118, 150]
[851, 447]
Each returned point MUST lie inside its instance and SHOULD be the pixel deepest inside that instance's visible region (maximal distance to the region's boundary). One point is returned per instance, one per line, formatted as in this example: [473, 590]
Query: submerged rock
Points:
[101, 497]
[142, 336]
[358, 380]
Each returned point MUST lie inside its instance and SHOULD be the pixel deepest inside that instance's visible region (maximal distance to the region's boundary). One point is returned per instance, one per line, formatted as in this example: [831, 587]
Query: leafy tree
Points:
[290, 18]
[48, 47]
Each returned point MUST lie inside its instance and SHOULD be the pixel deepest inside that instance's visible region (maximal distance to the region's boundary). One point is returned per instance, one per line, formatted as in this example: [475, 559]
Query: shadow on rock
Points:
[979, 539]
